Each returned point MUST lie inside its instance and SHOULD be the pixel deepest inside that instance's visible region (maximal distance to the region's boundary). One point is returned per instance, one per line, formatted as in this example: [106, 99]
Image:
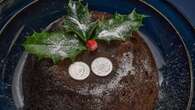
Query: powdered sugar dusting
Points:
[60, 46]
[147, 65]
[126, 64]
[117, 32]
[81, 26]
[125, 67]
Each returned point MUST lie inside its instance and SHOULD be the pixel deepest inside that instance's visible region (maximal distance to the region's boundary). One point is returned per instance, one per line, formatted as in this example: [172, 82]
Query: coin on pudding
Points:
[79, 70]
[101, 66]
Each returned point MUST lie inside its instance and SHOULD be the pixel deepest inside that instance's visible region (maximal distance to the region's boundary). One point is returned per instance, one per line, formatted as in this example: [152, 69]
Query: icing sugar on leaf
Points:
[56, 46]
[78, 20]
[120, 27]
[78, 29]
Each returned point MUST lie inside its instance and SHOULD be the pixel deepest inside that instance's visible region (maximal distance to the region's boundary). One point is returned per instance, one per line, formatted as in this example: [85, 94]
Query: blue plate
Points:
[182, 24]
[169, 49]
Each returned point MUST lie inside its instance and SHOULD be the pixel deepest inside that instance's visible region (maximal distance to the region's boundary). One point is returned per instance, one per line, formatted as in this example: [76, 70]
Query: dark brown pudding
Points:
[133, 84]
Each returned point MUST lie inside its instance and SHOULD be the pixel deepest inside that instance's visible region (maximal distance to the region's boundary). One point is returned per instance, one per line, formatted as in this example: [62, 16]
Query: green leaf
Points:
[120, 27]
[73, 25]
[78, 11]
[56, 45]
[78, 19]
[91, 32]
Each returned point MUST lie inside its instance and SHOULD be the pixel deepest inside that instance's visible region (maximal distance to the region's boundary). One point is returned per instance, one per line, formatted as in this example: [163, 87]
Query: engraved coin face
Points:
[101, 66]
[79, 70]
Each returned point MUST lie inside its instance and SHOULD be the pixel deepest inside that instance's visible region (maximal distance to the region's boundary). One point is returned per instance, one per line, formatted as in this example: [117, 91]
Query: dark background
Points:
[186, 7]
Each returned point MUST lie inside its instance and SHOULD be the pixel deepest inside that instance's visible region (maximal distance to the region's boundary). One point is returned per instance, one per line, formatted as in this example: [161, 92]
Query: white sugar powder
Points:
[125, 67]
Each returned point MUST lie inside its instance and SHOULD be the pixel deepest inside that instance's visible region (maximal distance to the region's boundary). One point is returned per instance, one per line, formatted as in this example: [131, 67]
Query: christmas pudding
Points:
[90, 61]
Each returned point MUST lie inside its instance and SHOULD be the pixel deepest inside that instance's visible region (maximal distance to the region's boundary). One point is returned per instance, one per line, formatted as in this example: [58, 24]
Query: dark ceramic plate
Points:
[168, 48]
[183, 25]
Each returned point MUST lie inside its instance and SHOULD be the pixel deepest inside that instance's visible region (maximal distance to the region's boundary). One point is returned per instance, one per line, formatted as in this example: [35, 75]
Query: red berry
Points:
[91, 45]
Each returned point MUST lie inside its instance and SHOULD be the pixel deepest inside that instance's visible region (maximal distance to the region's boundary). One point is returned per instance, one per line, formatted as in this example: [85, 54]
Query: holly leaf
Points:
[78, 20]
[84, 31]
[55, 45]
[91, 32]
[77, 10]
[120, 27]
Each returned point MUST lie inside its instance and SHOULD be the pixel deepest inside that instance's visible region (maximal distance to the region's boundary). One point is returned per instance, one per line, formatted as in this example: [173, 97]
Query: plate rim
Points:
[185, 47]
[153, 8]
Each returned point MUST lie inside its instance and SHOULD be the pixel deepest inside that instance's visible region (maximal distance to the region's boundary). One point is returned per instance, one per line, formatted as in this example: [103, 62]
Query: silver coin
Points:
[101, 66]
[79, 70]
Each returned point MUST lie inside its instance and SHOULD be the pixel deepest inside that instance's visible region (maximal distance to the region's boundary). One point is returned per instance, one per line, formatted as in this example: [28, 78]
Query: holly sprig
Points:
[80, 33]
